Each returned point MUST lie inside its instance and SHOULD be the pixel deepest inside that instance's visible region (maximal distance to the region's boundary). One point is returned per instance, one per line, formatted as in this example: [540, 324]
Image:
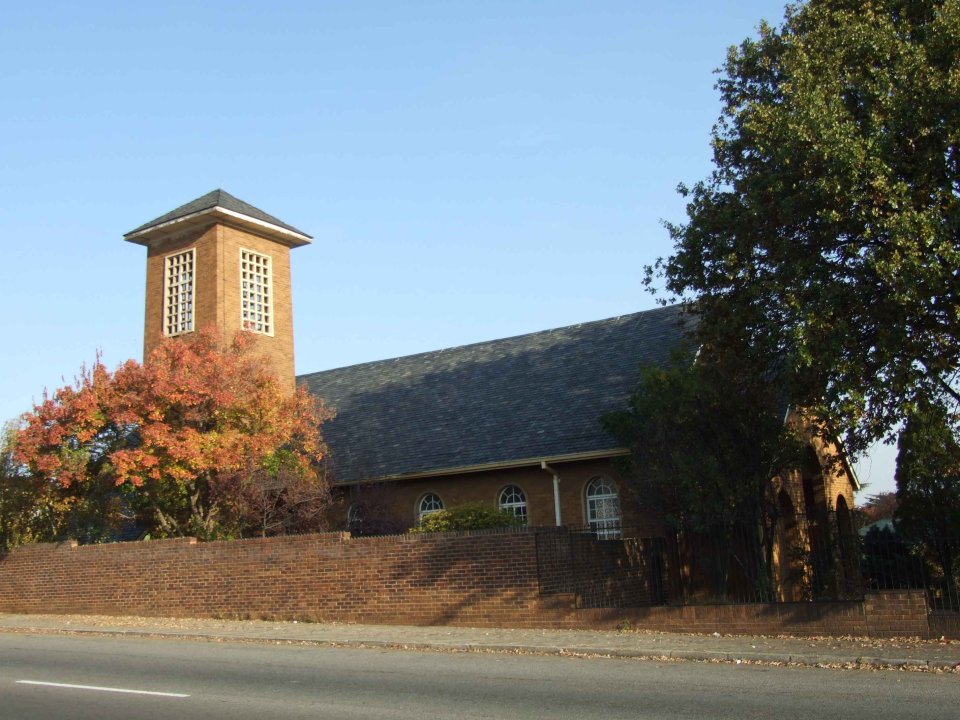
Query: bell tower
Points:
[222, 262]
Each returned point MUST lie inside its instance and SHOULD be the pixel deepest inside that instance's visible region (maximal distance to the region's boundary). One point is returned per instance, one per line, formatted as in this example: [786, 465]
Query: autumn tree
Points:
[882, 506]
[164, 438]
[373, 511]
[828, 234]
[275, 498]
[65, 446]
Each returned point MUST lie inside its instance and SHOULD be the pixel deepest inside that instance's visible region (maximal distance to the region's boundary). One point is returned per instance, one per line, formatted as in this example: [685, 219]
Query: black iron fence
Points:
[894, 558]
[788, 559]
[600, 569]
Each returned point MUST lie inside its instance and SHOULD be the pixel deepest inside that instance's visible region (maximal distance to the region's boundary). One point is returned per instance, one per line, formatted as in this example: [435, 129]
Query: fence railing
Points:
[892, 558]
[600, 569]
[794, 559]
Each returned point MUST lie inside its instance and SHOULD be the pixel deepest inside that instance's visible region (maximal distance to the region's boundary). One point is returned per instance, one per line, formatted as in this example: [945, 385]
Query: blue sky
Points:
[469, 170]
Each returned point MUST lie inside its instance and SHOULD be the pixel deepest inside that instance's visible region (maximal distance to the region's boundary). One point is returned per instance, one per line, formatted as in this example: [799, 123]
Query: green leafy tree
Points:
[20, 504]
[39, 508]
[828, 234]
[707, 440]
[928, 487]
[705, 444]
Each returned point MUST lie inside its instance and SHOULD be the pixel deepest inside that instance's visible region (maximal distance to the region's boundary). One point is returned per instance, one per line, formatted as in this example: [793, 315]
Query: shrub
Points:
[472, 516]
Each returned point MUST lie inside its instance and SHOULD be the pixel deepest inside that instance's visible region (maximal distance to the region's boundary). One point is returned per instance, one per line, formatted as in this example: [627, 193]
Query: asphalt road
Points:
[78, 678]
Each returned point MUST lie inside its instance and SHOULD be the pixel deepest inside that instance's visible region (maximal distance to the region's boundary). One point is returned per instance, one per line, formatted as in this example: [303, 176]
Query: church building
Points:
[513, 423]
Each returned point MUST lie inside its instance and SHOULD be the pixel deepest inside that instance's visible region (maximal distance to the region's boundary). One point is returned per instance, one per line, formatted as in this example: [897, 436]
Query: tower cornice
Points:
[217, 206]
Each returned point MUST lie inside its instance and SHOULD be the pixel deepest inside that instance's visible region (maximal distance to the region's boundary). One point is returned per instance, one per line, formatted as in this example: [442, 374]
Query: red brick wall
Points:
[599, 573]
[478, 579]
[402, 497]
[481, 580]
[820, 618]
[217, 293]
[897, 613]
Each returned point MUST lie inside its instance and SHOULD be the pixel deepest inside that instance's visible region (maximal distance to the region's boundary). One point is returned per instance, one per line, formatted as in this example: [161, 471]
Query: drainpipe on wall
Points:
[556, 488]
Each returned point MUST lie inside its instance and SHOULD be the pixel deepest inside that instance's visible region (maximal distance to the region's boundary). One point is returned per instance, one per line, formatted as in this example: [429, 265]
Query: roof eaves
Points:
[501, 465]
[220, 201]
[294, 238]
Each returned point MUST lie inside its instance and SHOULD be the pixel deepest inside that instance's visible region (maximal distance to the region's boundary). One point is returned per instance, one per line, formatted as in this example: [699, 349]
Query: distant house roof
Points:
[219, 200]
[491, 404]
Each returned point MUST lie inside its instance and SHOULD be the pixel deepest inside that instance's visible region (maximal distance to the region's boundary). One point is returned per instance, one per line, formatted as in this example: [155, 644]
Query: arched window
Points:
[513, 499]
[788, 551]
[849, 550]
[429, 504]
[354, 518]
[603, 507]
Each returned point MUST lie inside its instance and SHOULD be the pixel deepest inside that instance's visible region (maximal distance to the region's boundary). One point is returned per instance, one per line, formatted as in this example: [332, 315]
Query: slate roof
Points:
[532, 396]
[217, 198]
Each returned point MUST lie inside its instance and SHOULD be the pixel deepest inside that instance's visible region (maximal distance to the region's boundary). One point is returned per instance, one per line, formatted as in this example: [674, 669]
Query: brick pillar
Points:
[897, 613]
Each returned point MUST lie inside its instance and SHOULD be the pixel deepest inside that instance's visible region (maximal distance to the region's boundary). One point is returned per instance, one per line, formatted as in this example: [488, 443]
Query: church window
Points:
[603, 508]
[354, 518]
[178, 274]
[256, 292]
[512, 499]
[429, 504]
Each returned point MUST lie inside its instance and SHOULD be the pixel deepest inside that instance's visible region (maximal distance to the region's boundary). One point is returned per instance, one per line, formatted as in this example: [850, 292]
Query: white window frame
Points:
[433, 503]
[259, 320]
[513, 499]
[179, 298]
[602, 500]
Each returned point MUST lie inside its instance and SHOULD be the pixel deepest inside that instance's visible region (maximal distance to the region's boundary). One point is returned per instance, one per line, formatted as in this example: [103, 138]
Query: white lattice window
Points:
[514, 500]
[429, 504]
[178, 284]
[603, 508]
[256, 292]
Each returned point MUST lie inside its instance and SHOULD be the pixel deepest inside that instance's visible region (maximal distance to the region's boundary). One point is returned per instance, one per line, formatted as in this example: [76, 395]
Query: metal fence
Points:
[601, 569]
[789, 559]
[892, 558]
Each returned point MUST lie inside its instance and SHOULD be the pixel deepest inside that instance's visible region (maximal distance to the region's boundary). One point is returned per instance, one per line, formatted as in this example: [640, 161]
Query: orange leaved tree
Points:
[194, 442]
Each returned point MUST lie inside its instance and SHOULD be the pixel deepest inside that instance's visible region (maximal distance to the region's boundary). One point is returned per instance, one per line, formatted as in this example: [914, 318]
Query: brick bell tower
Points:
[219, 261]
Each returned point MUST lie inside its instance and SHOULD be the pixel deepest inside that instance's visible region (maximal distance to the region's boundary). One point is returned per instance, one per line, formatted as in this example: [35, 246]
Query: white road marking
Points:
[102, 689]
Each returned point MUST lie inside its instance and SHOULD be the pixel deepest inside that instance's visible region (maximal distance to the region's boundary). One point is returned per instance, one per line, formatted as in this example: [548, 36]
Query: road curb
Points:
[661, 654]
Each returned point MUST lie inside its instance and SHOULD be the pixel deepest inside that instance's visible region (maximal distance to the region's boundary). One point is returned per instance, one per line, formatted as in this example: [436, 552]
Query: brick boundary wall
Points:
[485, 579]
[488, 579]
[897, 612]
[841, 618]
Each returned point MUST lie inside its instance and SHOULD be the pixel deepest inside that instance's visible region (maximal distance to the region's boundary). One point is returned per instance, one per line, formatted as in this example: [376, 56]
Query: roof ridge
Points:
[218, 197]
[439, 351]
[490, 403]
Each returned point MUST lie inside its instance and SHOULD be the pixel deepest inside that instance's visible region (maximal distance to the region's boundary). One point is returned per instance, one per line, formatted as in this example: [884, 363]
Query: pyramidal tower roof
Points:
[217, 205]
